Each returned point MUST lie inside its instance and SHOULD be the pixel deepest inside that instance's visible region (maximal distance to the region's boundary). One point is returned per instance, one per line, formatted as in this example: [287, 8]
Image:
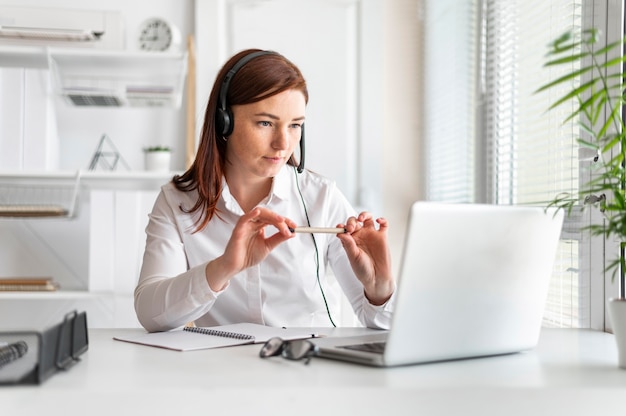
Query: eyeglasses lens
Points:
[274, 346]
[291, 350]
[297, 350]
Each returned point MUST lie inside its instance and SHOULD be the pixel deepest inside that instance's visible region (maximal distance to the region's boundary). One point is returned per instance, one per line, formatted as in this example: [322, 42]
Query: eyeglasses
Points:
[291, 350]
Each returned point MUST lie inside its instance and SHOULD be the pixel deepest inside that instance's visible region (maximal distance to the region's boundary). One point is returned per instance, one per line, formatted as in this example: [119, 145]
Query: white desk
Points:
[571, 372]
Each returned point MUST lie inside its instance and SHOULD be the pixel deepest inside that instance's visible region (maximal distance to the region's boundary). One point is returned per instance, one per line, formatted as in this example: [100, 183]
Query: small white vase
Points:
[617, 314]
[158, 161]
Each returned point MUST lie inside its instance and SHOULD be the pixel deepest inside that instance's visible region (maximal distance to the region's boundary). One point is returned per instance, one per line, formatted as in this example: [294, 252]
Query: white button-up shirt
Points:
[282, 290]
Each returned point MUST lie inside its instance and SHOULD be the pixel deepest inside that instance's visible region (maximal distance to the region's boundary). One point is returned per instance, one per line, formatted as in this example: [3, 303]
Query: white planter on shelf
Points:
[617, 314]
[157, 159]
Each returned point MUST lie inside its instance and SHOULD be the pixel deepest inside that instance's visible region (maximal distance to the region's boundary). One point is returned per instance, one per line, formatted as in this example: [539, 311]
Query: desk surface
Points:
[572, 372]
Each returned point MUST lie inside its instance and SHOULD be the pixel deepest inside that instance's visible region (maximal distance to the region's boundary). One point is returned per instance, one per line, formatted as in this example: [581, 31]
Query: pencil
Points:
[314, 230]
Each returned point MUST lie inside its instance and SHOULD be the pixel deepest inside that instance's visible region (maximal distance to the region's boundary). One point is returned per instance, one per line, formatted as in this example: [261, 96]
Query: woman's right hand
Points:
[248, 245]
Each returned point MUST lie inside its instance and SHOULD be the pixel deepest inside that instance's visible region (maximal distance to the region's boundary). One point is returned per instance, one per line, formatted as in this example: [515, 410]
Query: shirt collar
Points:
[281, 187]
[282, 184]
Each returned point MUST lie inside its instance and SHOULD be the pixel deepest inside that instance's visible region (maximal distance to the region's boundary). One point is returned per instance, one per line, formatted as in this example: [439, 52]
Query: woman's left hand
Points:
[368, 252]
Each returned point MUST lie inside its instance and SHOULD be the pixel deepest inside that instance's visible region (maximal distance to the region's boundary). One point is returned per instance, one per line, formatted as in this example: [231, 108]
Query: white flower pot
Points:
[617, 314]
[157, 161]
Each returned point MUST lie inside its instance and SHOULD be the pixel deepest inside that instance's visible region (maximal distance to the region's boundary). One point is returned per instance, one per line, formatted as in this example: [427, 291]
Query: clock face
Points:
[155, 35]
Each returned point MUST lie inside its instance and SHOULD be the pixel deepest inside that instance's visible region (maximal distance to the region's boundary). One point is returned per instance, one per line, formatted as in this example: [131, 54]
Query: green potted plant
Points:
[600, 100]
[157, 158]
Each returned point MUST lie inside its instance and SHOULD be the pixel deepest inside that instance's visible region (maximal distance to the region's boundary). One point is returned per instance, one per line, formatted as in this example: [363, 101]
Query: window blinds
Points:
[449, 87]
[532, 155]
[489, 137]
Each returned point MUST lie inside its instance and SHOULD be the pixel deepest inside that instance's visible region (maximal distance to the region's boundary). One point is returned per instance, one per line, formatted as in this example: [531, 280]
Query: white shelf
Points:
[133, 180]
[30, 197]
[116, 180]
[24, 57]
[20, 310]
[91, 77]
[53, 295]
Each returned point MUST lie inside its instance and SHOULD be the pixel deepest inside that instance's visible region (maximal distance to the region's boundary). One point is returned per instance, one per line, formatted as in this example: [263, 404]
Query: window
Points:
[488, 137]
[450, 90]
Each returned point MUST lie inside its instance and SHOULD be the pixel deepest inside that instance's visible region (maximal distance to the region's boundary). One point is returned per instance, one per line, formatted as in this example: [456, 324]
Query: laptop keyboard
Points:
[375, 347]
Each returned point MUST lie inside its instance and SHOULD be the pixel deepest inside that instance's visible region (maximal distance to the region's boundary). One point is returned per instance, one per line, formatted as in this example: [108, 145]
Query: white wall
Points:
[81, 128]
[100, 250]
[131, 129]
[402, 122]
[391, 160]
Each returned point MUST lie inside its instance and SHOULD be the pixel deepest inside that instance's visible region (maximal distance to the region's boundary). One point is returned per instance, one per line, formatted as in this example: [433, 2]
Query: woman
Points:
[220, 245]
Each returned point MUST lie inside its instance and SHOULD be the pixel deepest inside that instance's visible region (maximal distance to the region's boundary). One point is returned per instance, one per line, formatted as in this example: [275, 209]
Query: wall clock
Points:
[157, 34]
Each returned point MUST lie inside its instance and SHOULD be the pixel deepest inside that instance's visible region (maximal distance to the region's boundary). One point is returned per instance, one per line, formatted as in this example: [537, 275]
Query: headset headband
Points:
[231, 73]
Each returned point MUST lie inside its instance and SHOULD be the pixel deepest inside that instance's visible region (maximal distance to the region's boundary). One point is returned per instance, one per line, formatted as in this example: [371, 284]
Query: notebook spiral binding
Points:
[216, 332]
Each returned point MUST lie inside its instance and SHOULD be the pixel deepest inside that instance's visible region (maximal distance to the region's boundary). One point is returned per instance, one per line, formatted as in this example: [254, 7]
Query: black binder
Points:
[46, 352]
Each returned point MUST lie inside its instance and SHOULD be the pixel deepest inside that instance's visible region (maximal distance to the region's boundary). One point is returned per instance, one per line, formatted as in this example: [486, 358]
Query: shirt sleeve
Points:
[371, 316]
[169, 294]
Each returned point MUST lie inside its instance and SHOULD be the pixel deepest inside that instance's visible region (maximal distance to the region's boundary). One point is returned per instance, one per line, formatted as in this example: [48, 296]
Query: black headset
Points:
[224, 120]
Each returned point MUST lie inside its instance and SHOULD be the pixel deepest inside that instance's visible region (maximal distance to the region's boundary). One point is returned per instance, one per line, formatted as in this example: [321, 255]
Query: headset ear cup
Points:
[224, 122]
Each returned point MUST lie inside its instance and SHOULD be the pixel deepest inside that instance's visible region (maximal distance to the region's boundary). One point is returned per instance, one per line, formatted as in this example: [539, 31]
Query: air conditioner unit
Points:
[118, 78]
[60, 27]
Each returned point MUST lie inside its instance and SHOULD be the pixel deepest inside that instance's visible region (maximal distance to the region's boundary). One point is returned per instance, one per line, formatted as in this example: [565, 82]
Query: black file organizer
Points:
[50, 350]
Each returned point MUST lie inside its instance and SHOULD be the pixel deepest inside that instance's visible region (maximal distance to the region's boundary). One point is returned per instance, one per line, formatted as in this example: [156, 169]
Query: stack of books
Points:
[41, 210]
[27, 284]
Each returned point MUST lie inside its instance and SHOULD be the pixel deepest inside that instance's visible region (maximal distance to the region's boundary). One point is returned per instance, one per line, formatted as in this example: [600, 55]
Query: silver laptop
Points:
[473, 282]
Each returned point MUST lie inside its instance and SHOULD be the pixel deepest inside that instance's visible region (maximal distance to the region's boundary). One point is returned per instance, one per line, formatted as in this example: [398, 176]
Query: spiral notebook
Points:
[201, 338]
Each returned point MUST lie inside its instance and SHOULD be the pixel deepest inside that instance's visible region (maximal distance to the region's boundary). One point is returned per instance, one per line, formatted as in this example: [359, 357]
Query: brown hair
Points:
[262, 77]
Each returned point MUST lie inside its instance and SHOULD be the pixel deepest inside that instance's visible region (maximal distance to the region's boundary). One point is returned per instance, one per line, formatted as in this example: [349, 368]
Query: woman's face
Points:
[265, 135]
